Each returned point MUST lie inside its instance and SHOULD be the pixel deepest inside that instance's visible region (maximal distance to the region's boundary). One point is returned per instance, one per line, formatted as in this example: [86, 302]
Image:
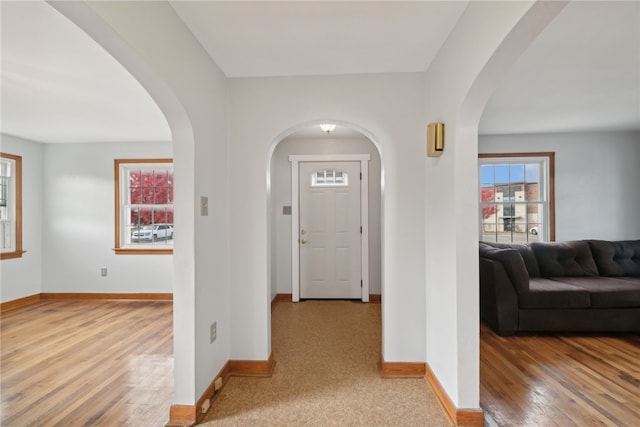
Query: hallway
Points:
[326, 374]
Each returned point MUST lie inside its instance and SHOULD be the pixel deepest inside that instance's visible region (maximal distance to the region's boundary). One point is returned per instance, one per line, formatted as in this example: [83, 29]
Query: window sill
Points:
[9, 255]
[129, 251]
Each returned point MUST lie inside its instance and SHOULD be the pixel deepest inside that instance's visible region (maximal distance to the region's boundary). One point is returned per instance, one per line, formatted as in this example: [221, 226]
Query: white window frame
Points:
[123, 243]
[11, 221]
[546, 160]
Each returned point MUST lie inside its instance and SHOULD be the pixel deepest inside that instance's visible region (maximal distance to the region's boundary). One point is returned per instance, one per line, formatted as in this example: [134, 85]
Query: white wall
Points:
[596, 180]
[22, 277]
[79, 220]
[152, 43]
[390, 108]
[281, 196]
[488, 37]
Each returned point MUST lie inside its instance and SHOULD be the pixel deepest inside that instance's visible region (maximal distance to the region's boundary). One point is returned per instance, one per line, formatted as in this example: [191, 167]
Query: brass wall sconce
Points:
[435, 139]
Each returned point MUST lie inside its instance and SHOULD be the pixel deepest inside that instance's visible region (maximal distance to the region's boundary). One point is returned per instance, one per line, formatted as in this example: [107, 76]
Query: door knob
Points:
[303, 240]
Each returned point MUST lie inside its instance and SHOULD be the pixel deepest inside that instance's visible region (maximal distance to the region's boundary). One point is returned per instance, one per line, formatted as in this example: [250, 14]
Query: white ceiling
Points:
[248, 39]
[58, 85]
[582, 73]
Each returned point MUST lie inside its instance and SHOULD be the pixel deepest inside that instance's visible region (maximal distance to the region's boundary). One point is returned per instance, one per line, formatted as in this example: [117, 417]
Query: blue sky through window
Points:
[490, 175]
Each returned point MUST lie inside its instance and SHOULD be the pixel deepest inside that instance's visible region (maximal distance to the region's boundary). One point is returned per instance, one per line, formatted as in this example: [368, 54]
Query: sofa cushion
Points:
[525, 252]
[616, 258]
[557, 259]
[632, 279]
[607, 292]
[545, 293]
[512, 263]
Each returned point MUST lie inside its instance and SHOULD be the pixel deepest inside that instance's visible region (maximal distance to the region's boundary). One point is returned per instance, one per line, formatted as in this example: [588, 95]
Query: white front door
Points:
[330, 230]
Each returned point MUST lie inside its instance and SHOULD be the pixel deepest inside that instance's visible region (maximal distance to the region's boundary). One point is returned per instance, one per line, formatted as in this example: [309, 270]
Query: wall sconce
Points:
[327, 128]
[435, 139]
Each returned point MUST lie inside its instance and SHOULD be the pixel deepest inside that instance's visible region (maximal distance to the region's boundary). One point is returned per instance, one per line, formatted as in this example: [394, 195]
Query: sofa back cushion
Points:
[616, 258]
[558, 259]
[512, 262]
[525, 252]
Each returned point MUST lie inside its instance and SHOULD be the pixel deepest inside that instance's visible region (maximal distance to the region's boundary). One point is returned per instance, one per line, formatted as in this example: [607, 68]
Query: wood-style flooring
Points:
[87, 363]
[560, 380]
[109, 363]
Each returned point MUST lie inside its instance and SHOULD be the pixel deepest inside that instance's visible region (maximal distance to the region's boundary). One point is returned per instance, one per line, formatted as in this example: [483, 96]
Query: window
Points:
[144, 206]
[10, 206]
[516, 197]
[330, 178]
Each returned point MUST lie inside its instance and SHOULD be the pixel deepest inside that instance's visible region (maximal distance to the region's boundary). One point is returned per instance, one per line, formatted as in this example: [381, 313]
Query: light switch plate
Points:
[204, 206]
[213, 332]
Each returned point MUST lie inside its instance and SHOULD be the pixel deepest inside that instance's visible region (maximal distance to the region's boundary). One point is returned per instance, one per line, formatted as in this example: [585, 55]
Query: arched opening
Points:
[309, 139]
[183, 143]
[571, 134]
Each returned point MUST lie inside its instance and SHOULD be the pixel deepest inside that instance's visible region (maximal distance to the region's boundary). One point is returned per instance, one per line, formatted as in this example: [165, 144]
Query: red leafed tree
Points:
[488, 195]
[151, 187]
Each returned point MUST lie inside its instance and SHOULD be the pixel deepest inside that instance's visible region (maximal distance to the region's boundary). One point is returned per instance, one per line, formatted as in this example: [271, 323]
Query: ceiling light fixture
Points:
[327, 128]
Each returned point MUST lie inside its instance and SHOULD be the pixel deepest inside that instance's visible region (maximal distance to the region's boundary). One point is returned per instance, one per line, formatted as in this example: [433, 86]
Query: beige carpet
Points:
[326, 374]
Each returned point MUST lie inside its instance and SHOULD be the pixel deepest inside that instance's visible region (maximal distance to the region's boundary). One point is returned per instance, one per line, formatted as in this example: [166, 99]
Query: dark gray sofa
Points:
[575, 286]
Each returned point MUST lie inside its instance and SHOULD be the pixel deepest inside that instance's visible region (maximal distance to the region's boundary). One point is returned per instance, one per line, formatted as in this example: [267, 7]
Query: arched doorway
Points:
[309, 139]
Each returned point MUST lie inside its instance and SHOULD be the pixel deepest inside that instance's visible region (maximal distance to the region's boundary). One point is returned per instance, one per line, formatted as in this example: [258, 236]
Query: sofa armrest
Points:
[498, 298]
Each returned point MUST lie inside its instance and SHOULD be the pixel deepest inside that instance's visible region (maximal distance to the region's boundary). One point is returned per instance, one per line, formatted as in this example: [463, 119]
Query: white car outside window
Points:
[153, 232]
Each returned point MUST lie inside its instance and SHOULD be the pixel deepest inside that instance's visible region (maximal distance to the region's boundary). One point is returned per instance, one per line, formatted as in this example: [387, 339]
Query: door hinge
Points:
[360, 229]
[360, 283]
[360, 176]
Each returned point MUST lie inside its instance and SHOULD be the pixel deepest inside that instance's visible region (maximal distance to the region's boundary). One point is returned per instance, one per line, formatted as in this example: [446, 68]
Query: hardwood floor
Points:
[560, 380]
[82, 362]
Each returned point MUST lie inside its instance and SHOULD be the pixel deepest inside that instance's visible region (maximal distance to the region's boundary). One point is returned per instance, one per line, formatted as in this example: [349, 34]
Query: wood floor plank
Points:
[560, 380]
[87, 363]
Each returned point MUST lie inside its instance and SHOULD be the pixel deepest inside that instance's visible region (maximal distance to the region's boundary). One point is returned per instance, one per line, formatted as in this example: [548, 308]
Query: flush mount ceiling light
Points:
[327, 128]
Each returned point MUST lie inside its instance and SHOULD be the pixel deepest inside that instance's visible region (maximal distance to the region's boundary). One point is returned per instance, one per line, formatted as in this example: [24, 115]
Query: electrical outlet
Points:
[213, 332]
[205, 406]
[103, 272]
[217, 385]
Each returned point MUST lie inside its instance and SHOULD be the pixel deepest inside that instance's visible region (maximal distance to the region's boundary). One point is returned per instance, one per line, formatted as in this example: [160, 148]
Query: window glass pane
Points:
[160, 178]
[532, 179]
[487, 194]
[4, 190]
[6, 208]
[487, 176]
[329, 178]
[10, 202]
[135, 196]
[145, 216]
[147, 178]
[508, 210]
[512, 198]
[516, 173]
[532, 172]
[159, 215]
[535, 232]
[161, 195]
[489, 222]
[135, 179]
[170, 187]
[501, 174]
[147, 212]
